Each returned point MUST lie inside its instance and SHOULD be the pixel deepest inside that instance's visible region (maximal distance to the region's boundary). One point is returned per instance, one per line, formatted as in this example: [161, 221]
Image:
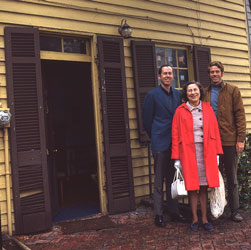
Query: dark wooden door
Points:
[51, 147]
[28, 146]
[118, 162]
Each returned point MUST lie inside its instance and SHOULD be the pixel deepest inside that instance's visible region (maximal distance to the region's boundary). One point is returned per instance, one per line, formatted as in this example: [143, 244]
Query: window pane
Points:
[183, 74]
[50, 43]
[175, 79]
[72, 45]
[182, 57]
[160, 56]
[171, 57]
[159, 82]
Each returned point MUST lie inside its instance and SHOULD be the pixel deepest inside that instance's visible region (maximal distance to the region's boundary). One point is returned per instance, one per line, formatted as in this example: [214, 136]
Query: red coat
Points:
[183, 147]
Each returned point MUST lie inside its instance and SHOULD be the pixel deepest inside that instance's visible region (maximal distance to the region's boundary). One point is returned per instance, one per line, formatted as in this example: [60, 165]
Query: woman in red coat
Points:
[195, 144]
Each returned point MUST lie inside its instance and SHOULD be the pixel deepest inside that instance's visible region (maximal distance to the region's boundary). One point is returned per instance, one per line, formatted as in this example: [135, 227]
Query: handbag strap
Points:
[178, 175]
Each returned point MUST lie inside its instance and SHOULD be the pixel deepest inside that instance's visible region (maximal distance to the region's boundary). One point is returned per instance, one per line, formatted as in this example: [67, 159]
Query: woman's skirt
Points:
[200, 164]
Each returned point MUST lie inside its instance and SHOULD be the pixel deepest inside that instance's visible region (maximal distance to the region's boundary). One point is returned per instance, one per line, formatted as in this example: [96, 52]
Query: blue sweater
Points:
[215, 90]
[158, 111]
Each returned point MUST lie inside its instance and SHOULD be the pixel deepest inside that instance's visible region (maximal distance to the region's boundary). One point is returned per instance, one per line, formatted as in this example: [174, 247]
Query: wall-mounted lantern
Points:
[125, 30]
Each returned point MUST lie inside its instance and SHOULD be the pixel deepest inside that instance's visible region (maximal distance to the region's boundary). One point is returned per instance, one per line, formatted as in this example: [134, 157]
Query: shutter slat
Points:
[202, 58]
[118, 163]
[145, 78]
[28, 151]
[32, 204]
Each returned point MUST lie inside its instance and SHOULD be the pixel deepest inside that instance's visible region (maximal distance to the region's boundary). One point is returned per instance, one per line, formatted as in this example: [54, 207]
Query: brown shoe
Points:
[236, 217]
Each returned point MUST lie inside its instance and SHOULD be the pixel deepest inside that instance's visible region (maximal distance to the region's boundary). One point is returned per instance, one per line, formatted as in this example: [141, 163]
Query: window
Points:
[178, 59]
[147, 58]
[63, 44]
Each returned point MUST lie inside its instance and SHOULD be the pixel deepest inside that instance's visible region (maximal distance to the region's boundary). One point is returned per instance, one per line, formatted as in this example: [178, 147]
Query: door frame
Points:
[44, 55]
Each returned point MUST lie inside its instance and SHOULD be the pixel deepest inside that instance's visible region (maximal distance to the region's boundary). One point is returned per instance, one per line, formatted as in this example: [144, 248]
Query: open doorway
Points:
[71, 143]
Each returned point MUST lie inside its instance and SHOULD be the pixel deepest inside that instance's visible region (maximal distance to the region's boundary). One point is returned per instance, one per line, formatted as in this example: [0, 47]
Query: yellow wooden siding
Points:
[23, 13]
[3, 100]
[217, 24]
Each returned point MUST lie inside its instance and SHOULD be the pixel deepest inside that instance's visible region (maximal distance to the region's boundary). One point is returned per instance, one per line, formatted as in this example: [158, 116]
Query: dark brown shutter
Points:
[202, 58]
[28, 152]
[115, 125]
[145, 78]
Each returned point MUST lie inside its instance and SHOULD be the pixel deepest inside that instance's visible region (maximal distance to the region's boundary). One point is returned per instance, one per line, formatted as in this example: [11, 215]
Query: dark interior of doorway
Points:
[72, 157]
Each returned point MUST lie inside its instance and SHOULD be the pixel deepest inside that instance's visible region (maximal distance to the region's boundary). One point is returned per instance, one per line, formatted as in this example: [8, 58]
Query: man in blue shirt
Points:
[158, 110]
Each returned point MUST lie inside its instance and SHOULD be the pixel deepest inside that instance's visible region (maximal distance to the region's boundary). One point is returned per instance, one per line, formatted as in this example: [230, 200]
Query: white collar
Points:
[199, 106]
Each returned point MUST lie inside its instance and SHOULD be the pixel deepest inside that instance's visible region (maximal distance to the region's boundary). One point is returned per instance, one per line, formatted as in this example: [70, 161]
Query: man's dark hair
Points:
[184, 90]
[165, 65]
[217, 64]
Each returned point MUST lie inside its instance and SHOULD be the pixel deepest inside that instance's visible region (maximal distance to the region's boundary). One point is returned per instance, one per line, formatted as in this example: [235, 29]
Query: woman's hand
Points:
[177, 164]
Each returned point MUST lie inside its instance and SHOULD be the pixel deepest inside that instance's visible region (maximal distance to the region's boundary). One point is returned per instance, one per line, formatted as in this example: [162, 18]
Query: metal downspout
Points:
[7, 177]
[17, 242]
[150, 169]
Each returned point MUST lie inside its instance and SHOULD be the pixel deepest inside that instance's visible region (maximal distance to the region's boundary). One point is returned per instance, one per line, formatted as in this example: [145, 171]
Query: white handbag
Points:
[218, 199]
[178, 189]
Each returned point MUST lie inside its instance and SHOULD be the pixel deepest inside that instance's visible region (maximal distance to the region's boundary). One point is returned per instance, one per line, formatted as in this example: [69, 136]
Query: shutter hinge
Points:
[103, 88]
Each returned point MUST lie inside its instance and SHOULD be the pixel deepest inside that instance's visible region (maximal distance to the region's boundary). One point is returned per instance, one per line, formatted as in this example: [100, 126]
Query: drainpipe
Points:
[150, 169]
[5, 123]
[1, 238]
[19, 243]
[7, 177]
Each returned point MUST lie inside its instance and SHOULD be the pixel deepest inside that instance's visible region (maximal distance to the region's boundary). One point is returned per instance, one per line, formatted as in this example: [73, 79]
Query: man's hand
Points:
[239, 147]
[177, 164]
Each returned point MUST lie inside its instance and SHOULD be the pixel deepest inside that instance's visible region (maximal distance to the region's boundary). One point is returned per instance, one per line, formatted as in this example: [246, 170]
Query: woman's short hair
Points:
[184, 90]
[217, 64]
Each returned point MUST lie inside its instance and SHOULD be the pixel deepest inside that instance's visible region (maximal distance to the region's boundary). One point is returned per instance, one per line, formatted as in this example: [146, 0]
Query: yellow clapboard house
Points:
[75, 87]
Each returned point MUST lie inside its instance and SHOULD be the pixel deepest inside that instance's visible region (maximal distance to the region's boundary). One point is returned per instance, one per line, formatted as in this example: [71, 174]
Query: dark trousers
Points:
[163, 170]
[229, 162]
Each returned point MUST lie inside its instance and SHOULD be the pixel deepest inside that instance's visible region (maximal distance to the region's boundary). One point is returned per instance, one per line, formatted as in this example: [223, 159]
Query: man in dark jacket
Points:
[158, 110]
[227, 104]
